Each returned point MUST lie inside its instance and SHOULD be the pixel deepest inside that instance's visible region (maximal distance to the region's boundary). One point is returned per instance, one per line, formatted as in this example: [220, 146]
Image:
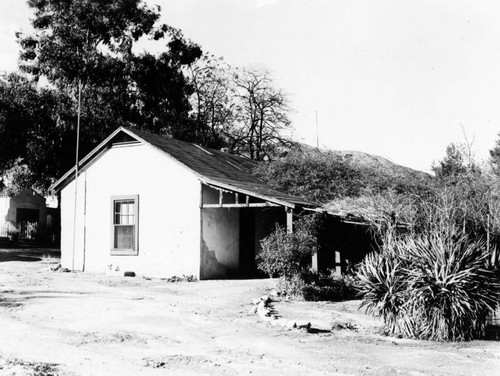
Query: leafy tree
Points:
[455, 163]
[16, 96]
[34, 131]
[90, 43]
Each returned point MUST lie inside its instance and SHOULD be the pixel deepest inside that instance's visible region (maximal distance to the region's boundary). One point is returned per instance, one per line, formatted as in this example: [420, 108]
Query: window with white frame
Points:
[124, 225]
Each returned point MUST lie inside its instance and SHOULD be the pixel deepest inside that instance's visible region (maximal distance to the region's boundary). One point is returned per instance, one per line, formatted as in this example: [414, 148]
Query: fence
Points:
[23, 230]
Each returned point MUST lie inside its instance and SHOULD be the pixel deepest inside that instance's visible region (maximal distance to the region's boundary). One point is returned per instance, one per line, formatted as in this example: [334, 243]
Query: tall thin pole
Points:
[76, 171]
[317, 131]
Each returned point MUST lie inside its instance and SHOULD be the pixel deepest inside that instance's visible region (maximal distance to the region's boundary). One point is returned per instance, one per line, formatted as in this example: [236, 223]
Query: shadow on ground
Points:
[11, 299]
[26, 250]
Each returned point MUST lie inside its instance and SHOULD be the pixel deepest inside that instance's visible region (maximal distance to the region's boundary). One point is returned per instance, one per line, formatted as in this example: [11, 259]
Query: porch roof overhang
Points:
[351, 218]
[267, 201]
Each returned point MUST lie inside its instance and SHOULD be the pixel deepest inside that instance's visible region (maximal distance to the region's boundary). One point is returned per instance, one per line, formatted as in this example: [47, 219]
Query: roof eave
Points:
[68, 176]
[247, 192]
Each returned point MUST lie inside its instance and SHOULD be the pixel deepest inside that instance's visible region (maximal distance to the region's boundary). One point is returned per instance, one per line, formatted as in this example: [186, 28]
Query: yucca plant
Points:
[433, 287]
[382, 283]
[450, 290]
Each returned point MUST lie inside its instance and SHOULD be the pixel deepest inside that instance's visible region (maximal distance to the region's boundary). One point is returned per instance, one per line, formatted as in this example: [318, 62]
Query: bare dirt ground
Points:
[55, 323]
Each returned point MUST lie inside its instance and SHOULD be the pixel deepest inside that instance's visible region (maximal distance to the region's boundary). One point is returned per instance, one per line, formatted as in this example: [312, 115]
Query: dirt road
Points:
[87, 324]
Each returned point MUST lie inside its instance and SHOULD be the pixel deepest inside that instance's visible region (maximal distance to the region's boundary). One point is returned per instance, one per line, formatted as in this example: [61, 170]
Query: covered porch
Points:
[233, 222]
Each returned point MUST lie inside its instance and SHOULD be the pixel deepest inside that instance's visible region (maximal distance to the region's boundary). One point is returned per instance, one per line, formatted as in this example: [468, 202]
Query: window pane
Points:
[124, 212]
[124, 237]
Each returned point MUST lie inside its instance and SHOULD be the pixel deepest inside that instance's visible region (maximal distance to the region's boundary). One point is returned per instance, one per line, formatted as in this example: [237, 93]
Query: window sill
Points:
[124, 252]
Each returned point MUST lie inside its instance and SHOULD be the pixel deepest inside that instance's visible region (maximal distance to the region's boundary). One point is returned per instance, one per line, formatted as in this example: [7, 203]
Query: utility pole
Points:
[317, 131]
[76, 171]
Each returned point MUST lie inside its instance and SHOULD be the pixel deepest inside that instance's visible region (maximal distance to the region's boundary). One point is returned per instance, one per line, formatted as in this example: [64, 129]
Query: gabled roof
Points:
[212, 166]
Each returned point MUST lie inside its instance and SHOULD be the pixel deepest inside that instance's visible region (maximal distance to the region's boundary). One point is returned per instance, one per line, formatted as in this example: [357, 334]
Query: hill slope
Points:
[377, 164]
[321, 176]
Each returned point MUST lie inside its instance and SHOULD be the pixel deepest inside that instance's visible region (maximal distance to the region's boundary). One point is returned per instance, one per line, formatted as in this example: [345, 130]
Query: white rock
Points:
[303, 324]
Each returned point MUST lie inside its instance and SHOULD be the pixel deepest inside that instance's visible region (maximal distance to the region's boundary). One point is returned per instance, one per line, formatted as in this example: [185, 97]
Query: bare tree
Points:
[211, 102]
[261, 115]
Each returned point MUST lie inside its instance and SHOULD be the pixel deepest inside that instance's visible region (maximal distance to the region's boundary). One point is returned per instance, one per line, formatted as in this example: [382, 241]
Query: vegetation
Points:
[330, 287]
[288, 256]
[438, 276]
[313, 175]
[434, 286]
[85, 50]
[326, 176]
[237, 109]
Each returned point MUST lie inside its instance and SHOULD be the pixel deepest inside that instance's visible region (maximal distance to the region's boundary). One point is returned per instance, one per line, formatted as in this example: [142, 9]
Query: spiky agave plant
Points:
[433, 287]
[382, 284]
[450, 291]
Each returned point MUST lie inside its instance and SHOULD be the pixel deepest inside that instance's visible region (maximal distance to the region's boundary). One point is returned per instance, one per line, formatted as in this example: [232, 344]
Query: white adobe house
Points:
[25, 207]
[162, 207]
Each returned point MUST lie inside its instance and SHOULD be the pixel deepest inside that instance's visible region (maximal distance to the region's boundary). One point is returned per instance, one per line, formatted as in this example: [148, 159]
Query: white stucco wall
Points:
[4, 208]
[220, 247]
[169, 213]
[24, 200]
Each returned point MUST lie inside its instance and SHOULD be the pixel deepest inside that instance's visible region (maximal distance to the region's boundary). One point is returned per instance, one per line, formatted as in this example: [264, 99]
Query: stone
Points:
[261, 305]
[265, 298]
[303, 325]
[55, 267]
[263, 313]
[252, 311]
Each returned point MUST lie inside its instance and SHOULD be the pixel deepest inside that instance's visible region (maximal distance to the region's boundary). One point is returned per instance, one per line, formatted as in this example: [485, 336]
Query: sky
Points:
[397, 78]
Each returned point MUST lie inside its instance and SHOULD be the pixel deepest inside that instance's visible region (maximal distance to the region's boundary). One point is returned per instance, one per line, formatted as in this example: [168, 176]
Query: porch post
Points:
[289, 220]
[314, 262]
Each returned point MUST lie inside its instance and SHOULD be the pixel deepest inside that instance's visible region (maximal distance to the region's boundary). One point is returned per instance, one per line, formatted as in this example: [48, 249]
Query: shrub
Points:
[288, 255]
[432, 287]
[331, 287]
[292, 286]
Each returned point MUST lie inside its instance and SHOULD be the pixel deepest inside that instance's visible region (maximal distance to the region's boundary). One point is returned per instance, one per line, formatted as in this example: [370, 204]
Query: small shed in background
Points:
[24, 214]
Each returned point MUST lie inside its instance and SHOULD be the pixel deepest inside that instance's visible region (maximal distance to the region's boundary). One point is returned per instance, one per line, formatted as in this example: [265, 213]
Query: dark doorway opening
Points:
[27, 215]
[248, 266]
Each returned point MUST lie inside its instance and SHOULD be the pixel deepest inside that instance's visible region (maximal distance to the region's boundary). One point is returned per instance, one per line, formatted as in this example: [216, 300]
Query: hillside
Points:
[321, 176]
[377, 164]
